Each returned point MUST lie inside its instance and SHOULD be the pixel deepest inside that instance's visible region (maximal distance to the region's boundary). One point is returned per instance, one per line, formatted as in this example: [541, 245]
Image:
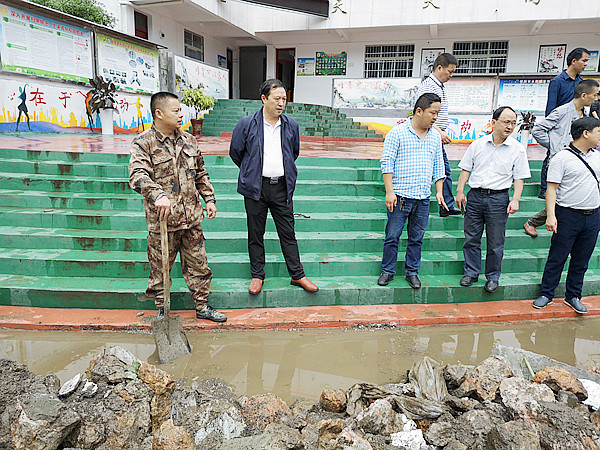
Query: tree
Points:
[86, 9]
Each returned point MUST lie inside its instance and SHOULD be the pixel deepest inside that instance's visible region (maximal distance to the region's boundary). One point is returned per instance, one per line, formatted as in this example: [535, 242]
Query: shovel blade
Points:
[171, 341]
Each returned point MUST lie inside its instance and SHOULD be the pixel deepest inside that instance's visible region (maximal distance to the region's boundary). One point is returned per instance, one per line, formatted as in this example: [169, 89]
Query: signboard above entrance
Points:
[316, 7]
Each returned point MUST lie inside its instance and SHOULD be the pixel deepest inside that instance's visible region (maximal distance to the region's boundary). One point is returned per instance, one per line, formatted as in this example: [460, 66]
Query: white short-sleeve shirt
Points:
[273, 160]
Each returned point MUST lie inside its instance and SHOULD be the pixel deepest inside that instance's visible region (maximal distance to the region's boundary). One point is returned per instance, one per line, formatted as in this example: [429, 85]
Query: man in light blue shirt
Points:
[411, 160]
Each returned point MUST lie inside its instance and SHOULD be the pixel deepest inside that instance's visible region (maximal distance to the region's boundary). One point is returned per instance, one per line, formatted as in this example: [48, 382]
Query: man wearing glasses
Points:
[492, 162]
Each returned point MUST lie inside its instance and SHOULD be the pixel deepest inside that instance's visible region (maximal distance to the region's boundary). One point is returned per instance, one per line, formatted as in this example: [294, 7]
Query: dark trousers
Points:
[417, 214]
[447, 185]
[577, 234]
[273, 197]
[544, 175]
[489, 211]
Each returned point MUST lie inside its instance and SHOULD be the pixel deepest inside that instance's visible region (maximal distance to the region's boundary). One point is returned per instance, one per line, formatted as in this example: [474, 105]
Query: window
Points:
[194, 45]
[481, 57]
[141, 24]
[388, 61]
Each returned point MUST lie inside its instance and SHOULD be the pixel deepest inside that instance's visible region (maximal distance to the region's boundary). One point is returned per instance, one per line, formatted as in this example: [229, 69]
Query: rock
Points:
[595, 418]
[43, 423]
[275, 437]
[400, 388]
[455, 445]
[171, 437]
[560, 426]
[69, 386]
[123, 355]
[484, 380]
[461, 404]
[302, 407]
[409, 440]
[479, 421]
[310, 436]
[333, 400]
[440, 433]
[558, 379]
[516, 435]
[89, 389]
[328, 430]
[220, 417]
[567, 397]
[350, 440]
[107, 369]
[158, 380]
[497, 411]
[593, 390]
[262, 410]
[87, 435]
[379, 418]
[522, 397]
[455, 374]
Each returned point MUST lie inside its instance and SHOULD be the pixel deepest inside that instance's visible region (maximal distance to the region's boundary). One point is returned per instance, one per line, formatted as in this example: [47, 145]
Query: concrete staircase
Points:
[314, 120]
[72, 234]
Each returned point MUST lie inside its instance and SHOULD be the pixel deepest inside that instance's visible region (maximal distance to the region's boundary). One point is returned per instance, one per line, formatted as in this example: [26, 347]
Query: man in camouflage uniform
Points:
[167, 169]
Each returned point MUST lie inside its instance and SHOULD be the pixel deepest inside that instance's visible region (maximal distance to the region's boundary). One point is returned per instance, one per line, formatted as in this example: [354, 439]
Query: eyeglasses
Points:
[512, 123]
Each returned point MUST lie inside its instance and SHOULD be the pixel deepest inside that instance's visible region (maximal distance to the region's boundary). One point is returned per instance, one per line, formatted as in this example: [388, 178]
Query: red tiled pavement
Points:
[285, 318]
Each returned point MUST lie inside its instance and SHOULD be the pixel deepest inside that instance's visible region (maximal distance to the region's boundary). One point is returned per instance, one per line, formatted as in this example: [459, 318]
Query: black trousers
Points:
[273, 198]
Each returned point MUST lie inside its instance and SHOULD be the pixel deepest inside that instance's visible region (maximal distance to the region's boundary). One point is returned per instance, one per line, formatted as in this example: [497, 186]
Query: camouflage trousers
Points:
[194, 266]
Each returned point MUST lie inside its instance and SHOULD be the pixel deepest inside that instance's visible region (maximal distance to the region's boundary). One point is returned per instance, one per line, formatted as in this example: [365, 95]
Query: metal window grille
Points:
[193, 45]
[481, 57]
[389, 61]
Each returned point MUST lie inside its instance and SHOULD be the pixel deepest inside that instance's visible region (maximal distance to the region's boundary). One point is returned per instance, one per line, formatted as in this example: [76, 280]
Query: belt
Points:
[490, 191]
[273, 180]
[585, 212]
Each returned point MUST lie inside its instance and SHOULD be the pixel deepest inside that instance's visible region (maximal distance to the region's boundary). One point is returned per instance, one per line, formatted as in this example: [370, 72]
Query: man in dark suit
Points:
[265, 146]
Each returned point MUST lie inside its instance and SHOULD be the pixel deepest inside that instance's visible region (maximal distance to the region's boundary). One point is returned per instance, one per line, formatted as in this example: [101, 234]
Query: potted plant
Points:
[195, 98]
[102, 100]
[527, 123]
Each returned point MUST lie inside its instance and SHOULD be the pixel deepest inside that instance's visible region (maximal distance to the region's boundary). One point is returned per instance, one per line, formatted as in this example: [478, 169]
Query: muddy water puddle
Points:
[300, 363]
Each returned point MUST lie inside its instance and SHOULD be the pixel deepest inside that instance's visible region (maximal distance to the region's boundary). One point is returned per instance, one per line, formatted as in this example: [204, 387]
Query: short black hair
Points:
[576, 53]
[585, 87]
[269, 85]
[444, 60]
[158, 100]
[426, 100]
[583, 124]
[498, 112]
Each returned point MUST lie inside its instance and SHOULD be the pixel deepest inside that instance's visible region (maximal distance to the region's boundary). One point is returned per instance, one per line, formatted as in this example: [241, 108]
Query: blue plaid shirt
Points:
[414, 163]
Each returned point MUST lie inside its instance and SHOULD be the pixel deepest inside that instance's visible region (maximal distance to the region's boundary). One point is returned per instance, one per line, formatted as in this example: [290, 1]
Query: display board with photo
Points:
[552, 58]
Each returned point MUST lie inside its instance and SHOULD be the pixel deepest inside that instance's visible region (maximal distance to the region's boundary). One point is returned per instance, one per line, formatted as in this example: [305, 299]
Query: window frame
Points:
[389, 61]
[190, 49]
[481, 57]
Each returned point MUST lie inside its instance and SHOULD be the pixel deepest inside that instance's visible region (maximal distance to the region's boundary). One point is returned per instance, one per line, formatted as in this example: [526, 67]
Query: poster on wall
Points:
[592, 65]
[524, 94]
[222, 61]
[470, 95]
[41, 46]
[191, 74]
[428, 56]
[375, 93]
[306, 67]
[130, 66]
[552, 58]
[44, 106]
[331, 63]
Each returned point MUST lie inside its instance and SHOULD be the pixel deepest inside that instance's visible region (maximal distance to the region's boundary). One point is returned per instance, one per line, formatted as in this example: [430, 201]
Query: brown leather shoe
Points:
[255, 286]
[305, 284]
[530, 230]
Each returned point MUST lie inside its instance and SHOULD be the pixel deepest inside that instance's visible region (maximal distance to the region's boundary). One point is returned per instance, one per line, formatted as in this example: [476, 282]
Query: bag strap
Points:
[576, 153]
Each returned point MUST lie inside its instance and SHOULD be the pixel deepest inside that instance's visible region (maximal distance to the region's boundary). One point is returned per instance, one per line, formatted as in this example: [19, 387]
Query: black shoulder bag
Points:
[576, 153]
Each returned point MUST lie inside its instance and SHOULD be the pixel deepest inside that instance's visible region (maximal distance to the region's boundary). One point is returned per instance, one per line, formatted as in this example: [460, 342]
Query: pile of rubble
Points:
[123, 403]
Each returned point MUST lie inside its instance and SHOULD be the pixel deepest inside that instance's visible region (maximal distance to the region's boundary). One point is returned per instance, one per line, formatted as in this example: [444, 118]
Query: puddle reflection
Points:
[301, 363]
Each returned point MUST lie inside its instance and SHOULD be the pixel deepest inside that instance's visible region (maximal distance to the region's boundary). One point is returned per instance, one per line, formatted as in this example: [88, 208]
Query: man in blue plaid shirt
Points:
[411, 160]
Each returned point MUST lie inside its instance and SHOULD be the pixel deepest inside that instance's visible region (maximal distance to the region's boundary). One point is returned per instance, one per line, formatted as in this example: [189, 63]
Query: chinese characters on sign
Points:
[430, 2]
[552, 58]
[535, 2]
[331, 63]
[338, 7]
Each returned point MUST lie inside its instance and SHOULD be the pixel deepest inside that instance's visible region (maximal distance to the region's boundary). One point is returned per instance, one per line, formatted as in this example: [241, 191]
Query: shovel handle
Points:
[164, 245]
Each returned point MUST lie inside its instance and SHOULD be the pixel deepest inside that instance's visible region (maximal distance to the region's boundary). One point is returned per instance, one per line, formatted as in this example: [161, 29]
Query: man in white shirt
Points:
[265, 145]
[493, 162]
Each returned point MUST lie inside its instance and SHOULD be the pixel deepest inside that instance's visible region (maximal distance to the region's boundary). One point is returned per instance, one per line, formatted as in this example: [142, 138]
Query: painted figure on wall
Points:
[88, 110]
[23, 107]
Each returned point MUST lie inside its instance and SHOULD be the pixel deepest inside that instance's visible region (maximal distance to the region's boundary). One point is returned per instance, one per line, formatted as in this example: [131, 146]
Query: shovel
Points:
[171, 341]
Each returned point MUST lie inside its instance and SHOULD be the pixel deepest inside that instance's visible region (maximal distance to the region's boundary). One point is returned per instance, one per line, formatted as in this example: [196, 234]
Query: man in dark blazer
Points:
[265, 146]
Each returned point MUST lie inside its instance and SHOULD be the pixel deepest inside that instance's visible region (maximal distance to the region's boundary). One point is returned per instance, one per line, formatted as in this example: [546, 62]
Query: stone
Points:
[409, 440]
[515, 435]
[158, 380]
[123, 355]
[275, 437]
[107, 369]
[595, 418]
[560, 426]
[89, 389]
[328, 430]
[171, 437]
[302, 407]
[523, 397]
[483, 381]
[350, 440]
[479, 421]
[593, 390]
[440, 433]
[333, 400]
[455, 445]
[455, 374]
[263, 409]
[69, 386]
[461, 404]
[379, 418]
[220, 417]
[43, 423]
[567, 397]
[557, 379]
[88, 434]
[400, 389]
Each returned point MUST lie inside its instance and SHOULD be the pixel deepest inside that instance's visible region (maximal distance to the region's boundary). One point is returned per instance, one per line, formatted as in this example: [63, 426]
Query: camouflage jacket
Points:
[159, 165]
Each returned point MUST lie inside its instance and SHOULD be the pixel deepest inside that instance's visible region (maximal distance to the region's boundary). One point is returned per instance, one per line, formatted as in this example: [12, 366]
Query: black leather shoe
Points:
[385, 278]
[468, 281]
[542, 195]
[451, 212]
[209, 313]
[491, 286]
[414, 281]
[161, 313]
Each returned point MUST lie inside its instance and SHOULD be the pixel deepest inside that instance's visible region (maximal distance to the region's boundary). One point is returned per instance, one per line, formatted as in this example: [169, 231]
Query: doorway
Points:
[230, 68]
[286, 65]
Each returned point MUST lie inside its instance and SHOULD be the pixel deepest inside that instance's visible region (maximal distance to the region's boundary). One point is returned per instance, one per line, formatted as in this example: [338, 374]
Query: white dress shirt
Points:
[273, 156]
